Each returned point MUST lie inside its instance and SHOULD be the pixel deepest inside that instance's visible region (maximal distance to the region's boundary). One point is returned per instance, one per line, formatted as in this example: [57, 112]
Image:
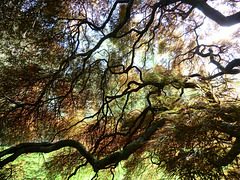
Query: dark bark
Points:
[232, 64]
[214, 14]
[114, 158]
[190, 85]
[229, 69]
[131, 148]
[44, 147]
[231, 154]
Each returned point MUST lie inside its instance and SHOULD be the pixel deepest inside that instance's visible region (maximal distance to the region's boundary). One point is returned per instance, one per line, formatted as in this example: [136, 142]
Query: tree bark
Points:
[114, 158]
[214, 14]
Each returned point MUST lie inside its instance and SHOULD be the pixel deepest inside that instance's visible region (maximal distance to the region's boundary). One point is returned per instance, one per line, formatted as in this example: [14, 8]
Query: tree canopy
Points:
[125, 81]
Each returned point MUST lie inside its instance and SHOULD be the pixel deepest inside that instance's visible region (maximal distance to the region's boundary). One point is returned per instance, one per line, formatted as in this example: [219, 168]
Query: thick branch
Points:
[213, 14]
[46, 147]
[131, 148]
[229, 69]
[212, 60]
[232, 64]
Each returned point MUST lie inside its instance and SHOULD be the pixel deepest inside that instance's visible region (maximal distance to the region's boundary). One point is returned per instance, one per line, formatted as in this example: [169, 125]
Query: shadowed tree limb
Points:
[229, 69]
[212, 60]
[131, 148]
[232, 64]
[231, 154]
[114, 158]
[44, 147]
[214, 14]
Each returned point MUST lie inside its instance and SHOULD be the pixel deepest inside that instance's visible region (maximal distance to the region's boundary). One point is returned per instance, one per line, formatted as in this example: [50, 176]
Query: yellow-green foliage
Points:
[160, 74]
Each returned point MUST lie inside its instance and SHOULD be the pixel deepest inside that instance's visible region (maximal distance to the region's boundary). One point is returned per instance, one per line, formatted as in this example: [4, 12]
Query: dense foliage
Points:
[141, 83]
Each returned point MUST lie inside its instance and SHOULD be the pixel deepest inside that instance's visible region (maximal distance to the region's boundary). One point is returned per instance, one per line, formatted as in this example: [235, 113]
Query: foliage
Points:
[102, 84]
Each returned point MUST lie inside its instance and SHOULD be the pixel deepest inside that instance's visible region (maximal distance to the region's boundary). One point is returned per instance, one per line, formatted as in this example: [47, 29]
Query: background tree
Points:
[120, 81]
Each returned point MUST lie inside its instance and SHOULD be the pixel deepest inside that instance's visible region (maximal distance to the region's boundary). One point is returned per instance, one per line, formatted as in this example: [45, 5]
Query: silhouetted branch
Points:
[46, 147]
[229, 69]
[214, 14]
[131, 148]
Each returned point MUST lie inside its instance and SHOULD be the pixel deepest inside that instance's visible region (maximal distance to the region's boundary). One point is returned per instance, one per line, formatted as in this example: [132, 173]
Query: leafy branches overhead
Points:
[118, 79]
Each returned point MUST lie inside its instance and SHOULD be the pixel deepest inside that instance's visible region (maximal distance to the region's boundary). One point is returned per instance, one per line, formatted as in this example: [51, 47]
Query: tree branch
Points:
[131, 148]
[232, 64]
[114, 158]
[213, 14]
[44, 147]
[229, 69]
[212, 60]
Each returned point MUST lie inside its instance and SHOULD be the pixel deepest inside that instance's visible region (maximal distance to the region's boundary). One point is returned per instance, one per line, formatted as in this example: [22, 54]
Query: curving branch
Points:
[228, 69]
[214, 14]
[115, 158]
[45, 147]
[234, 63]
